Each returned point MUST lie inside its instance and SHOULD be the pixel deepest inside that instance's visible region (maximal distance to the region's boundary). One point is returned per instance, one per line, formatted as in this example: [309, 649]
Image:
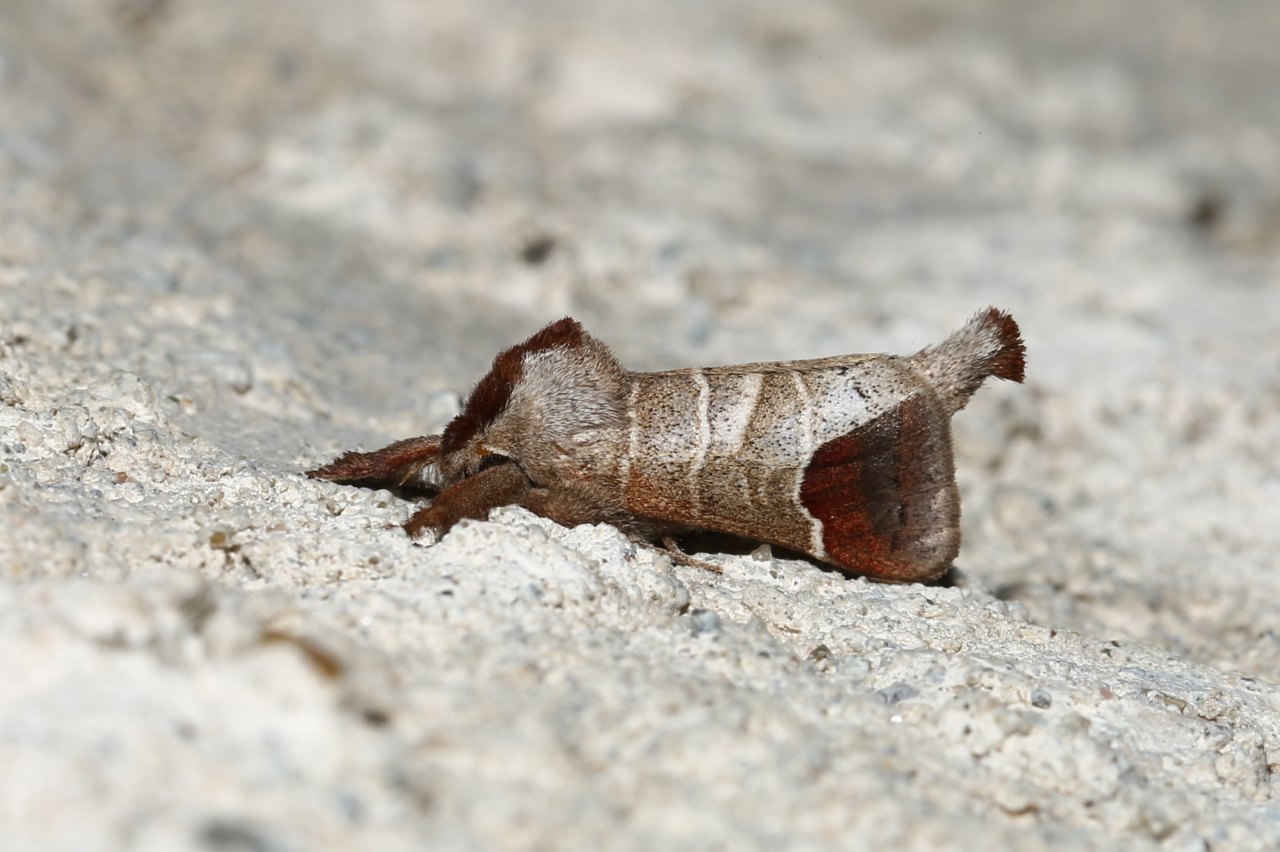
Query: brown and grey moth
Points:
[846, 459]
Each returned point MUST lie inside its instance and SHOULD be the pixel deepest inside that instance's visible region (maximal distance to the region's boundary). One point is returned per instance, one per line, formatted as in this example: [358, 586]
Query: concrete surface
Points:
[237, 238]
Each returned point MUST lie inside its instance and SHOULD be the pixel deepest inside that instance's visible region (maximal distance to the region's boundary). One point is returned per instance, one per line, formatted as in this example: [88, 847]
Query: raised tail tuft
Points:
[987, 345]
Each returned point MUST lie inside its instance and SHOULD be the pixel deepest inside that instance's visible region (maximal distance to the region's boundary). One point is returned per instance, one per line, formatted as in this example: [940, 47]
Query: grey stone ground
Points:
[238, 237]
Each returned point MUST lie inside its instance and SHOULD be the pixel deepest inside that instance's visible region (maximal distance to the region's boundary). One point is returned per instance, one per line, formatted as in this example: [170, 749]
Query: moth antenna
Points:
[988, 345]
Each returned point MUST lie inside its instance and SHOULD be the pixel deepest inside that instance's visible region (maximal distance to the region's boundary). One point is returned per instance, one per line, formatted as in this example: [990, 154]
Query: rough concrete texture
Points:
[237, 238]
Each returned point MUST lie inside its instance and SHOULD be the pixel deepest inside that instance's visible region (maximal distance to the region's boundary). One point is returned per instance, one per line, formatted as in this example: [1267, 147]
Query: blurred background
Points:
[239, 237]
[351, 207]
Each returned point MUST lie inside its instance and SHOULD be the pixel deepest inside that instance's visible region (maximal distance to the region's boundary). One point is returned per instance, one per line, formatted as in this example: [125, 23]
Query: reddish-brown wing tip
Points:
[885, 494]
[392, 465]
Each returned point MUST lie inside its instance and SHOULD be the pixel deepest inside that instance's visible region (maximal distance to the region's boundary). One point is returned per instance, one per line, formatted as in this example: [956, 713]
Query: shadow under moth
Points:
[846, 459]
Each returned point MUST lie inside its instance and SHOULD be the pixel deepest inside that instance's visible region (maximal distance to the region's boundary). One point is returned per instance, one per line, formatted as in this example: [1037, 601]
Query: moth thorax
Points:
[568, 390]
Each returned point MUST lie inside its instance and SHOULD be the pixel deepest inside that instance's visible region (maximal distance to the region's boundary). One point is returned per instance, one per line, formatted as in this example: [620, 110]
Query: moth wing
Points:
[885, 494]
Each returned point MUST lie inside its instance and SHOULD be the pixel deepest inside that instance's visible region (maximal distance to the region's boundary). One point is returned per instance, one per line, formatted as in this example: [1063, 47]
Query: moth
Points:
[846, 459]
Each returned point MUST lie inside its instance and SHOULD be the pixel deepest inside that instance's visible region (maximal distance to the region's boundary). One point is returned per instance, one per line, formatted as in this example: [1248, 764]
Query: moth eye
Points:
[491, 460]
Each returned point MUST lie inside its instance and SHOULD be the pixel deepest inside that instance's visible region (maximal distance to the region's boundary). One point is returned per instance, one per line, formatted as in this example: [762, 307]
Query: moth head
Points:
[467, 461]
[537, 396]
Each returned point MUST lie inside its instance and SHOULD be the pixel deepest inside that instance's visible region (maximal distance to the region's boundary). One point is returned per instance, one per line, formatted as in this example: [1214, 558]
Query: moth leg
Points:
[501, 485]
[564, 507]
[393, 465]
[681, 558]
[570, 510]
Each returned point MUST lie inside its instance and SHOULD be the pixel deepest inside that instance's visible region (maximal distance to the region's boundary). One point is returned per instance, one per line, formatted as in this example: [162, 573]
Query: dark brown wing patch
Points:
[885, 494]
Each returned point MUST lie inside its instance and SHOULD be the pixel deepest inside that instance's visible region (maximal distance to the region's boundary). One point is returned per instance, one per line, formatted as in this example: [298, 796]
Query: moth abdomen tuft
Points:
[990, 344]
